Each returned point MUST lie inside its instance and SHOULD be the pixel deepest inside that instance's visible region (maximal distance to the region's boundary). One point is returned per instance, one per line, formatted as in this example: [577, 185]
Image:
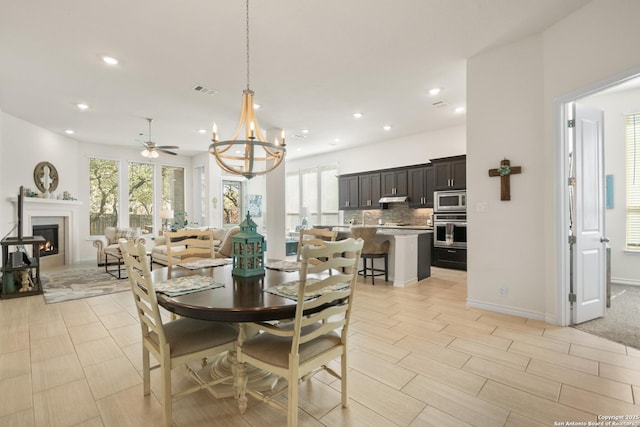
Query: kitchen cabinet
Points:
[425, 244]
[420, 187]
[450, 258]
[450, 173]
[348, 192]
[369, 191]
[394, 182]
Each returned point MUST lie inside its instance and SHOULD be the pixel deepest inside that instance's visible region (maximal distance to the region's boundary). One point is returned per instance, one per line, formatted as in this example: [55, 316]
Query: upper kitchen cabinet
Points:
[450, 173]
[369, 191]
[348, 192]
[394, 182]
[421, 183]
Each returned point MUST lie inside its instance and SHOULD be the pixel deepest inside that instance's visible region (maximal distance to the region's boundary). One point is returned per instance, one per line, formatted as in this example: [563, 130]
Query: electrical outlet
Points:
[503, 292]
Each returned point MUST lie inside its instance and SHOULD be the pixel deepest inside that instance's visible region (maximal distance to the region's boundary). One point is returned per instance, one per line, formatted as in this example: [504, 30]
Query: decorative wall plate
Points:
[41, 178]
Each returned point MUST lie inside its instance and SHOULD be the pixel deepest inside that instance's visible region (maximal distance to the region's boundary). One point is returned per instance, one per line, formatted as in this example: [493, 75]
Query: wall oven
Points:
[450, 201]
[450, 230]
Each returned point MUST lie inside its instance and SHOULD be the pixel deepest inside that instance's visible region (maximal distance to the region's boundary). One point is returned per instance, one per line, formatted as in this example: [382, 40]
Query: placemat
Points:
[282, 265]
[290, 289]
[204, 263]
[186, 285]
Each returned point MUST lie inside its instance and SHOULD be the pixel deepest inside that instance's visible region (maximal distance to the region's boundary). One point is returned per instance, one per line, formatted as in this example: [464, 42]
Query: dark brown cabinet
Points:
[420, 188]
[394, 182]
[348, 192]
[369, 191]
[450, 258]
[450, 173]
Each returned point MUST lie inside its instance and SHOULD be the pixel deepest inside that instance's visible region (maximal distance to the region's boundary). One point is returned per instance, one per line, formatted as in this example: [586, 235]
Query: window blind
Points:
[633, 181]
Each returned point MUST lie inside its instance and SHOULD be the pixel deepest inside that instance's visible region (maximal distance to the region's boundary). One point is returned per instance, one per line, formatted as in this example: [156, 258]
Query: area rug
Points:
[78, 283]
[622, 320]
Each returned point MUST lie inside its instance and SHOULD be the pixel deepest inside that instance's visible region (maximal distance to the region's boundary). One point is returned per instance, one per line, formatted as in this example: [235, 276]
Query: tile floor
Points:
[419, 357]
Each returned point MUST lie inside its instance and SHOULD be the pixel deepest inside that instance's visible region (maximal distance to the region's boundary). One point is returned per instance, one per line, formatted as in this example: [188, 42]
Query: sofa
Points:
[110, 241]
[159, 251]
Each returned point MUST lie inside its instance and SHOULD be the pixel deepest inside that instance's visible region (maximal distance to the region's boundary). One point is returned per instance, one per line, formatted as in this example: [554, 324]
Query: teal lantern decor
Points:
[248, 250]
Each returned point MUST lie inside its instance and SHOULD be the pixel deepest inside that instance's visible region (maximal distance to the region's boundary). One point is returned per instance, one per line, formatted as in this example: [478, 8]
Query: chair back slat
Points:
[135, 259]
[314, 237]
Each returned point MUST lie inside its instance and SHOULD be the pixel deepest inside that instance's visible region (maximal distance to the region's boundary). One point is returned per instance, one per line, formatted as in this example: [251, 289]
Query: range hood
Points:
[393, 199]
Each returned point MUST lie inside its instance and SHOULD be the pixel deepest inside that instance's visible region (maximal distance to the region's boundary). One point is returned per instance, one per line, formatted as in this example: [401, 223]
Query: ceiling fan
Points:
[151, 148]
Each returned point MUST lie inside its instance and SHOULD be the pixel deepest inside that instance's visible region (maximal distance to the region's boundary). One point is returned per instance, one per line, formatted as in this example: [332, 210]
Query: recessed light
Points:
[256, 106]
[336, 140]
[357, 115]
[202, 131]
[82, 106]
[69, 132]
[386, 127]
[434, 91]
[110, 60]
[459, 110]
[305, 130]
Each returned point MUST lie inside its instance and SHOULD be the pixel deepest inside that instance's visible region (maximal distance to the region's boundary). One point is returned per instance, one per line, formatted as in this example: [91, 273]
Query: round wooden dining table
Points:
[241, 299]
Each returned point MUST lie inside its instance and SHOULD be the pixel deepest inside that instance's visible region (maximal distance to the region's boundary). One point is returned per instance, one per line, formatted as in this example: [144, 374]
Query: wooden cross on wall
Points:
[504, 172]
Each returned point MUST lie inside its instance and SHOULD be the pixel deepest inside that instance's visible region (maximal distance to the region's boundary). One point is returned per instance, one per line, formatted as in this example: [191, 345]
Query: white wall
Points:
[410, 150]
[23, 146]
[511, 111]
[625, 266]
[504, 120]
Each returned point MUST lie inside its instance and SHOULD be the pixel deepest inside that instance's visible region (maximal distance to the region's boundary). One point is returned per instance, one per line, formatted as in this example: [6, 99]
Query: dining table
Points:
[237, 300]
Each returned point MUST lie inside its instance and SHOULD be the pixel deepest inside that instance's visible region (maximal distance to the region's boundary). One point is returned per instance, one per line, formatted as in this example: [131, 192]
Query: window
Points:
[173, 194]
[199, 196]
[633, 181]
[312, 192]
[140, 195]
[232, 202]
[103, 195]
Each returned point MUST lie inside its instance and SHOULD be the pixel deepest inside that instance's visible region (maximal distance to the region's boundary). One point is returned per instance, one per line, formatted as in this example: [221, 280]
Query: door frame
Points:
[562, 135]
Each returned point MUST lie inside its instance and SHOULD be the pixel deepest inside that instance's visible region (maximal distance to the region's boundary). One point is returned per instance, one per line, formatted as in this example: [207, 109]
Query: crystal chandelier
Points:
[253, 155]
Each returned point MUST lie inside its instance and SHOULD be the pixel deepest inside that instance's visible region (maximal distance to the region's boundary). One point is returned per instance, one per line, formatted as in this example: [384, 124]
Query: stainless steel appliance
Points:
[450, 230]
[450, 201]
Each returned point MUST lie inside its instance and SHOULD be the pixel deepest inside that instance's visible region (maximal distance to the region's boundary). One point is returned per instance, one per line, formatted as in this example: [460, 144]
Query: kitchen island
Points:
[409, 252]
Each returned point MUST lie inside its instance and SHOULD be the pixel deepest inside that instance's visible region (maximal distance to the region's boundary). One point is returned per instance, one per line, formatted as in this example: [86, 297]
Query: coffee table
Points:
[117, 254]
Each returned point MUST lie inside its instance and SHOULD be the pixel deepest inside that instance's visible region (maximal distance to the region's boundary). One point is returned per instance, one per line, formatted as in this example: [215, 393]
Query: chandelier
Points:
[247, 153]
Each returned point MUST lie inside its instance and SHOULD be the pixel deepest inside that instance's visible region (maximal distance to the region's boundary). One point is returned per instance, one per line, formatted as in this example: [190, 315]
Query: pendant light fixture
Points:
[247, 153]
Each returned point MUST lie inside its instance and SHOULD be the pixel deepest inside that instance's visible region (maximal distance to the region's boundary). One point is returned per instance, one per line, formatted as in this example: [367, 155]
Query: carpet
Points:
[78, 283]
[622, 320]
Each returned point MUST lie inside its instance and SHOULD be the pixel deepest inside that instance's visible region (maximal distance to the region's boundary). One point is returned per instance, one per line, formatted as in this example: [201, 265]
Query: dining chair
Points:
[176, 342]
[296, 350]
[314, 237]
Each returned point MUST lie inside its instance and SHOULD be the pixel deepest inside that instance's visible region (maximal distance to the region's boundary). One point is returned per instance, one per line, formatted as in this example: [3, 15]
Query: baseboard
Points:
[622, 281]
[506, 310]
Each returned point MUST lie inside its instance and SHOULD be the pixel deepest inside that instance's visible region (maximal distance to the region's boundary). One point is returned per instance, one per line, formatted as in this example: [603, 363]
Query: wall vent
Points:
[204, 90]
[440, 104]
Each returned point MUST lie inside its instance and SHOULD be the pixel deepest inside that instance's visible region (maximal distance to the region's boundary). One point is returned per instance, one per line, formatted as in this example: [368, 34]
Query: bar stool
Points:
[370, 251]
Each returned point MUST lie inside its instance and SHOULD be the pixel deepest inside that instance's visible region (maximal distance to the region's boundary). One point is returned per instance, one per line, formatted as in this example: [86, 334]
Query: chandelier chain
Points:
[248, 76]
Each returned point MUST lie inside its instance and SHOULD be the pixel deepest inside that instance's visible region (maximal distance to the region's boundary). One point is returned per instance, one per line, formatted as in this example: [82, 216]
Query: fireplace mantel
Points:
[68, 209]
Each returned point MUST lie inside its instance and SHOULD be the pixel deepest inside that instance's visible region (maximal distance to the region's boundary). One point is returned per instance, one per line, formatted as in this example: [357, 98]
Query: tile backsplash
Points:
[397, 213]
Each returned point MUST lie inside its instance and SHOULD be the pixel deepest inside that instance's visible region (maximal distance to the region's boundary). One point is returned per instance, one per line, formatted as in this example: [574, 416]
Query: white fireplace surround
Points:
[33, 207]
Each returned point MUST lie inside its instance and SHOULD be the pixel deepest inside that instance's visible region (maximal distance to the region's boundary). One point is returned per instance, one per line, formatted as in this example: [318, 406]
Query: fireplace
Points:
[50, 234]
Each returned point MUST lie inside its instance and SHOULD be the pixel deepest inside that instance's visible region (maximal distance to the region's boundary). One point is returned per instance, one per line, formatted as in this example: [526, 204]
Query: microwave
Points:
[450, 201]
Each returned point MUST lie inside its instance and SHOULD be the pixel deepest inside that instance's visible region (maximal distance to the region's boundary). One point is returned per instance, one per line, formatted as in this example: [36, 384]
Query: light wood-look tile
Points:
[418, 356]
[595, 403]
[65, 405]
[600, 385]
[514, 377]
[111, 376]
[562, 359]
[537, 408]
[456, 403]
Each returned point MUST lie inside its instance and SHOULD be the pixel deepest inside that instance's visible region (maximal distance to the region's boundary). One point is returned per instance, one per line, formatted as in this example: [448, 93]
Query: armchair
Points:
[110, 240]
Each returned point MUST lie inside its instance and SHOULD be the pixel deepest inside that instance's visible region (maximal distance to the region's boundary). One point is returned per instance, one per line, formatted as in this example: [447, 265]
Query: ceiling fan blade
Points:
[170, 147]
[167, 152]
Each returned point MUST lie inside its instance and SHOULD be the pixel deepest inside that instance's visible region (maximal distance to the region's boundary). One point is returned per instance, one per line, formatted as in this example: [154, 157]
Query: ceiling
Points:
[314, 63]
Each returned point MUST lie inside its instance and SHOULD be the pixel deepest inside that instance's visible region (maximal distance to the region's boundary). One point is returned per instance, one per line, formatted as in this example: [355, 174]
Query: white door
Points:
[589, 272]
